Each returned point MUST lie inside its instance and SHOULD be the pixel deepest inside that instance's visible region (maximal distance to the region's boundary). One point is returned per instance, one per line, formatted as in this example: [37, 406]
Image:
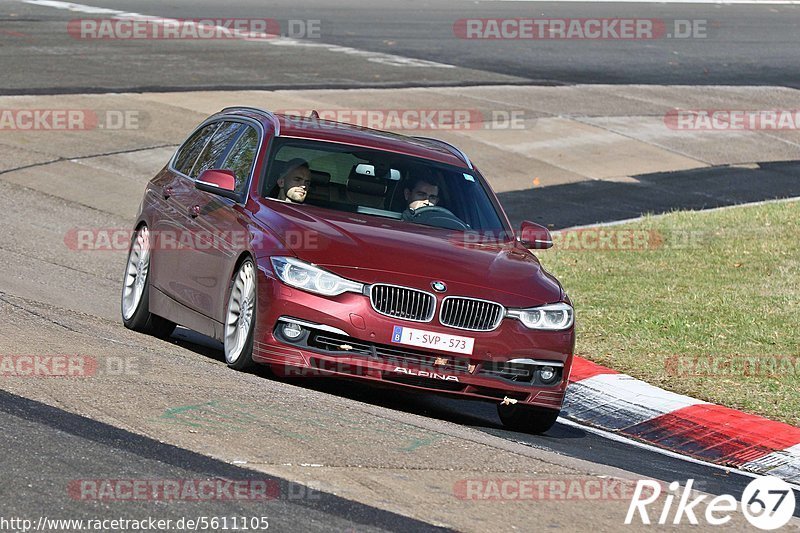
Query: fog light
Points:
[291, 330]
[547, 374]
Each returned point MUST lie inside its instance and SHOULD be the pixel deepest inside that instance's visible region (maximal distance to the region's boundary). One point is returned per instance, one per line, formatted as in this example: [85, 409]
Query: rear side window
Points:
[187, 154]
[217, 148]
[241, 157]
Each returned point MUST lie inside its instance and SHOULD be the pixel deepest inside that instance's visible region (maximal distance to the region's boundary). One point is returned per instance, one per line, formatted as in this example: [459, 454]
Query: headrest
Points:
[320, 178]
[364, 184]
[278, 167]
[367, 185]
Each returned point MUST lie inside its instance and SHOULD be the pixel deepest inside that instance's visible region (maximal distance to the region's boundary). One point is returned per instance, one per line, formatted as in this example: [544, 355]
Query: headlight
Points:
[550, 317]
[306, 276]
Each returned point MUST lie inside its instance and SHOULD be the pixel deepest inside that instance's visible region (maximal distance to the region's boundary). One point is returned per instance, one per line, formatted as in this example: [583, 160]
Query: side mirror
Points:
[221, 182]
[532, 235]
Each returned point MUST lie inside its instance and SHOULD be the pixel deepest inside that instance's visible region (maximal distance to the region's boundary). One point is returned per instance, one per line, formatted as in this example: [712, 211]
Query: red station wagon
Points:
[323, 248]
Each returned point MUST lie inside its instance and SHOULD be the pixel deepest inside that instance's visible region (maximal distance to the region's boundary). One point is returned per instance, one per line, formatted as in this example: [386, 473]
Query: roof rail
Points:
[269, 114]
[452, 149]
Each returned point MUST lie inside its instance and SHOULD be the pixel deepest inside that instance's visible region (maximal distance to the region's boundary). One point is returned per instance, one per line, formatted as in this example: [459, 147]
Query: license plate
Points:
[429, 339]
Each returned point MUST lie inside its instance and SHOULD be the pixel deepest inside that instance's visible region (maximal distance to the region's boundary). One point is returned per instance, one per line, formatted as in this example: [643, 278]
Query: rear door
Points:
[218, 225]
[169, 221]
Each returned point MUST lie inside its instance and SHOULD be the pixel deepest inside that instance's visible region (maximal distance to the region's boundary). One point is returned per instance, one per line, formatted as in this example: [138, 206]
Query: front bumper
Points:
[345, 337]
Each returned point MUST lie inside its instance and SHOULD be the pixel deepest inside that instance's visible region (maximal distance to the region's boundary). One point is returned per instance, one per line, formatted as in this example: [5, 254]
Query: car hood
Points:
[371, 249]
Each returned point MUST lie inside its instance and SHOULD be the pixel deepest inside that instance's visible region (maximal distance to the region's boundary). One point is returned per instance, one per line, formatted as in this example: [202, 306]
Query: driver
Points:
[421, 191]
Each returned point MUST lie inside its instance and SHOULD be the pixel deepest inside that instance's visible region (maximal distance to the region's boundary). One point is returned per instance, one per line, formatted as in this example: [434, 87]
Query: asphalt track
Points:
[740, 45]
[60, 447]
[44, 446]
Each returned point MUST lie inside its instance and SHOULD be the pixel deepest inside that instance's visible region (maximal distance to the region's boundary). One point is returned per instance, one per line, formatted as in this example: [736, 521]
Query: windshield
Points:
[384, 184]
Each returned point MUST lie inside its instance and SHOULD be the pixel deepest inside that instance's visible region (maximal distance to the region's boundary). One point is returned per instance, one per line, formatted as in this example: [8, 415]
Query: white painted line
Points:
[374, 57]
[782, 463]
[79, 8]
[618, 401]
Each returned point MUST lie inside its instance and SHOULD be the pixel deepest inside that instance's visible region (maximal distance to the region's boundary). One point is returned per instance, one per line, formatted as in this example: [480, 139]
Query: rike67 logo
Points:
[768, 503]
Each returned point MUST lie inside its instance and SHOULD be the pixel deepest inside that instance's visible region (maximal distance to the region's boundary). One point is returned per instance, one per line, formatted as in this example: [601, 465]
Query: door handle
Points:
[194, 211]
[168, 191]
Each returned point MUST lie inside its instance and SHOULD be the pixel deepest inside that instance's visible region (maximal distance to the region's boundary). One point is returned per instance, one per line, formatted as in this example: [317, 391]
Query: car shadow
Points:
[198, 343]
[596, 201]
[474, 413]
[422, 403]
[427, 404]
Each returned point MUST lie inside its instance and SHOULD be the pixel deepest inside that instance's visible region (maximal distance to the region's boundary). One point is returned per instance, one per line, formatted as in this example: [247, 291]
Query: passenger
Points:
[295, 181]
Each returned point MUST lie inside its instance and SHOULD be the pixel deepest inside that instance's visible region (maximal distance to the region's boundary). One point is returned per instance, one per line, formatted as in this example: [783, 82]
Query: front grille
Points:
[339, 345]
[472, 314]
[402, 302]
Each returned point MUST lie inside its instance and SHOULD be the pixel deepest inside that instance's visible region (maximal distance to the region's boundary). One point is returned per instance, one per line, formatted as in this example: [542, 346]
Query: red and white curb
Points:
[603, 398]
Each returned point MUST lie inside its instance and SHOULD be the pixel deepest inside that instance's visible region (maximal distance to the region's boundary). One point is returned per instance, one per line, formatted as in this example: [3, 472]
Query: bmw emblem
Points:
[439, 286]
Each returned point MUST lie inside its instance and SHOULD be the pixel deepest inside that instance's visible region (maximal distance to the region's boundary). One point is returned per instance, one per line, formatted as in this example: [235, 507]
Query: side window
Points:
[242, 157]
[217, 148]
[187, 154]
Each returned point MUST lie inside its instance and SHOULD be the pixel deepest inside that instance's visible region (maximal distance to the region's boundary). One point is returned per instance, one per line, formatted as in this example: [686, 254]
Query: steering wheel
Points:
[433, 215]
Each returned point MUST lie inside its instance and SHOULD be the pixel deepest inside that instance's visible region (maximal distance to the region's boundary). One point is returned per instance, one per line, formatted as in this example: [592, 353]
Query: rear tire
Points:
[526, 418]
[135, 302]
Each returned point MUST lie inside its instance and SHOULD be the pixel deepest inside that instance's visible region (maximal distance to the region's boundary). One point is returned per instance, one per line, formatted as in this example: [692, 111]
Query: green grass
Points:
[717, 284]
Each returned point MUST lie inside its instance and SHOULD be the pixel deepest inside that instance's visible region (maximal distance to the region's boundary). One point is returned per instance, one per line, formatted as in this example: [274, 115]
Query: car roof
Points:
[340, 132]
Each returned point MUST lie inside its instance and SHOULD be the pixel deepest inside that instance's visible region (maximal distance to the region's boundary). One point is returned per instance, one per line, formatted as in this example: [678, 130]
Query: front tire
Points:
[526, 418]
[135, 303]
[240, 318]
